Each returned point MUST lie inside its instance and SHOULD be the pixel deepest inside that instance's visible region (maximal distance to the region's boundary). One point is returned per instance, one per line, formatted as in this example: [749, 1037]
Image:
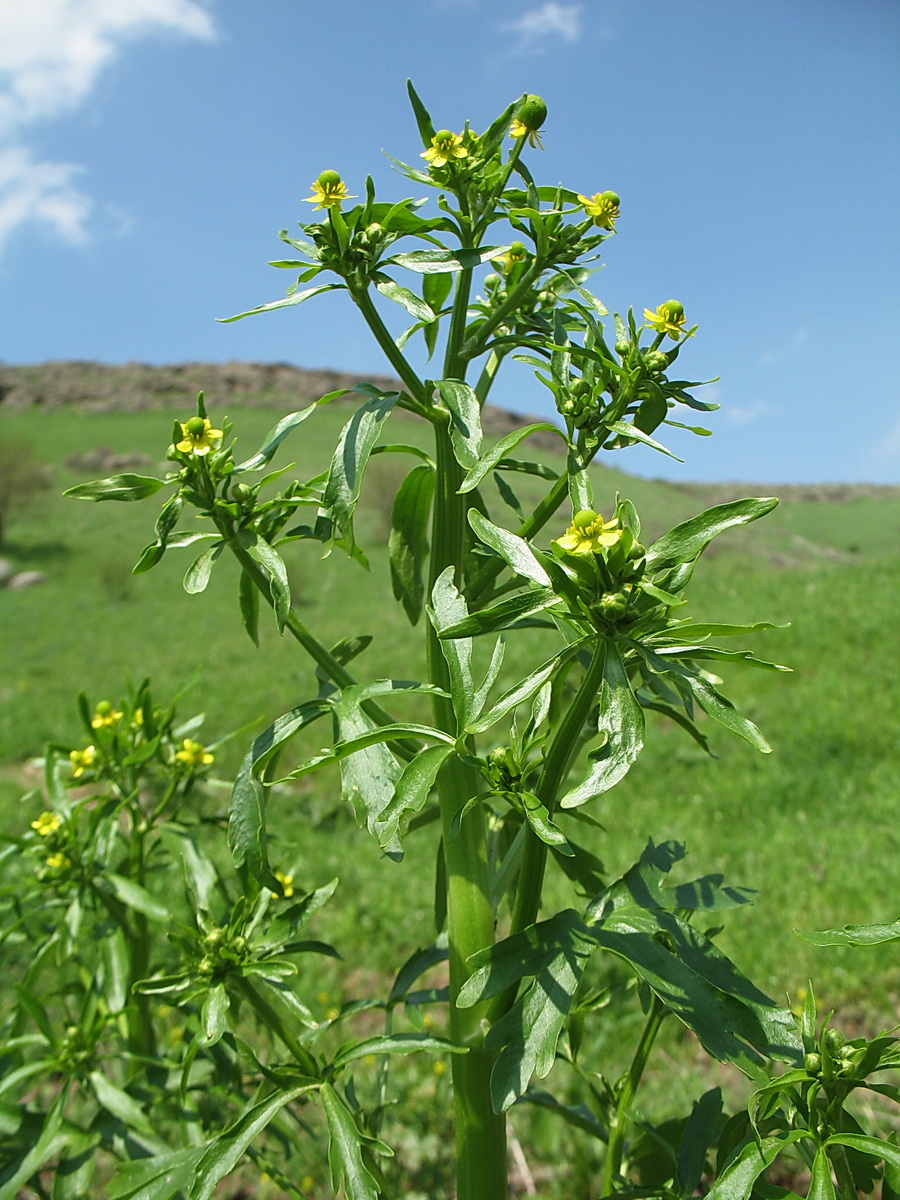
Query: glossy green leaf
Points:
[345, 1150]
[134, 896]
[503, 615]
[514, 551]
[700, 1132]
[426, 261]
[411, 792]
[465, 420]
[497, 453]
[287, 302]
[273, 565]
[223, 1155]
[408, 542]
[156, 1178]
[448, 608]
[214, 1014]
[246, 816]
[274, 438]
[622, 720]
[116, 487]
[686, 541]
[248, 601]
[198, 573]
[519, 692]
[119, 1103]
[736, 1181]
[349, 462]
[852, 935]
[422, 115]
[413, 304]
[395, 1043]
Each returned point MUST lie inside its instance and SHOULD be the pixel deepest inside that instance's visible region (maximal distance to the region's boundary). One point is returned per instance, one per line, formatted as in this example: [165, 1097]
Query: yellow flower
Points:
[199, 436]
[58, 862]
[105, 715]
[589, 533]
[668, 318]
[528, 121]
[516, 253]
[194, 754]
[328, 191]
[82, 760]
[603, 207]
[47, 823]
[445, 146]
[439, 1067]
[287, 883]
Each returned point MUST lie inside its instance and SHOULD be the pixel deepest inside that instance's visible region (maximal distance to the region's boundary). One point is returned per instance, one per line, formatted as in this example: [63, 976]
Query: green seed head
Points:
[533, 112]
[328, 179]
[585, 517]
[674, 309]
[195, 426]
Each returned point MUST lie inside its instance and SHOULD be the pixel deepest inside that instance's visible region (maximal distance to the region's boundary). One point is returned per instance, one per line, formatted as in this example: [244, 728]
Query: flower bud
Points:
[834, 1040]
[214, 939]
[655, 360]
[533, 112]
[206, 966]
[613, 604]
[242, 493]
[491, 281]
[374, 231]
[622, 348]
[812, 1064]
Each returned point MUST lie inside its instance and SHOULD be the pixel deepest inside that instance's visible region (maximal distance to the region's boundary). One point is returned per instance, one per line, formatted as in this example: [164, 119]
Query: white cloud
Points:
[551, 19]
[743, 414]
[51, 54]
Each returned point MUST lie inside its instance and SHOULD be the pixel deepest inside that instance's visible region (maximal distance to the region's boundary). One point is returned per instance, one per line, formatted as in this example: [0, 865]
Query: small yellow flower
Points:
[82, 760]
[668, 318]
[439, 1067]
[528, 121]
[445, 147]
[199, 436]
[328, 191]
[105, 716]
[194, 754]
[332, 1014]
[47, 823]
[589, 533]
[287, 883]
[603, 207]
[515, 254]
[307, 1182]
[58, 861]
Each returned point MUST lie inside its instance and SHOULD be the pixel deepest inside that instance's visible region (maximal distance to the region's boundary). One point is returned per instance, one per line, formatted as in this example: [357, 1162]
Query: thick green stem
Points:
[480, 1133]
[273, 1021]
[553, 775]
[627, 1090]
[394, 356]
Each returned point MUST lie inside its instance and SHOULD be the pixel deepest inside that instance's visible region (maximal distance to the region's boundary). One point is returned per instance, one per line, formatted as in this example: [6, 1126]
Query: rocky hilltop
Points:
[129, 387]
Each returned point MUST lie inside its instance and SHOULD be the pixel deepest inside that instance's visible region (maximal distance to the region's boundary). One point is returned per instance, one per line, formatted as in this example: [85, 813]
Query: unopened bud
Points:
[533, 112]
[812, 1064]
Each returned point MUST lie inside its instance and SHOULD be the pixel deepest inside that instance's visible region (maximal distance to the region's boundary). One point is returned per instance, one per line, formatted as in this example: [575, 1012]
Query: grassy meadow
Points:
[814, 826]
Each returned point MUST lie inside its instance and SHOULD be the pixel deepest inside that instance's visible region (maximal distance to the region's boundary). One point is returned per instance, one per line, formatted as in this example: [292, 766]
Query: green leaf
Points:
[408, 542]
[686, 541]
[622, 720]
[223, 1155]
[543, 828]
[488, 461]
[349, 463]
[214, 1015]
[465, 420]
[427, 261]
[821, 1185]
[422, 115]
[448, 608]
[554, 953]
[736, 1181]
[116, 487]
[274, 438]
[134, 896]
[521, 691]
[852, 935]
[411, 792]
[877, 1148]
[345, 1150]
[396, 1043]
[700, 1132]
[287, 302]
[503, 615]
[156, 1178]
[577, 1115]
[514, 551]
[627, 430]
[246, 815]
[413, 304]
[273, 564]
[53, 1139]
[119, 1103]
[198, 573]
[248, 599]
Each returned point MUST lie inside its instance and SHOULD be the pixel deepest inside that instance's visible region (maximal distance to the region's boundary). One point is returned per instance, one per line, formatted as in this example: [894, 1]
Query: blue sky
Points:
[150, 150]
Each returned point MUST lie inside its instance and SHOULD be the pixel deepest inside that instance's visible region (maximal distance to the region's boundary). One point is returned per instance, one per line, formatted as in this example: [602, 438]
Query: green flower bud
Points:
[206, 966]
[637, 551]
[812, 1064]
[240, 945]
[491, 281]
[655, 360]
[533, 112]
[214, 939]
[581, 387]
[546, 299]
[613, 604]
[834, 1040]
[374, 231]
[498, 756]
[622, 348]
[328, 179]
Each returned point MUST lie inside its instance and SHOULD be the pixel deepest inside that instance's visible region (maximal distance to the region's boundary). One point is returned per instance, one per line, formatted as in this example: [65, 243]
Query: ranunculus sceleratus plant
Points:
[507, 765]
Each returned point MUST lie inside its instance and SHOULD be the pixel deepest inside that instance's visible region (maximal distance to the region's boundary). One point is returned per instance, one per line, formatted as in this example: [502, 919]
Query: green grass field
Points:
[813, 826]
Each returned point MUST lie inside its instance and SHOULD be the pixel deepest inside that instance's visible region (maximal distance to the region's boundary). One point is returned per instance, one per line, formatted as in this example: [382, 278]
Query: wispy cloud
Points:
[887, 448]
[535, 27]
[739, 414]
[776, 356]
[51, 55]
